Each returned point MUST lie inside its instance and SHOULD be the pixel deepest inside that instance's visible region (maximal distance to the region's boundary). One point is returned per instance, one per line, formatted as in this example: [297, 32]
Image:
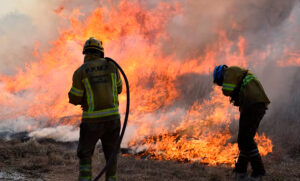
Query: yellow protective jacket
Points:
[96, 85]
[242, 84]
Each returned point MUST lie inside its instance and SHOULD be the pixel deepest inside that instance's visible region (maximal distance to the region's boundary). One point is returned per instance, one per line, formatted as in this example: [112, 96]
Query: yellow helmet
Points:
[93, 44]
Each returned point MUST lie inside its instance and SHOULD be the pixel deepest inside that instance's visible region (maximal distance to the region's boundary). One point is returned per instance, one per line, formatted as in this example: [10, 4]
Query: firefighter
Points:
[96, 85]
[247, 93]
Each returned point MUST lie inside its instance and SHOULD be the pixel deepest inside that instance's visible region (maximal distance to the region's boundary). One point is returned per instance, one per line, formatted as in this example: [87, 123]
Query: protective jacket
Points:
[243, 87]
[96, 85]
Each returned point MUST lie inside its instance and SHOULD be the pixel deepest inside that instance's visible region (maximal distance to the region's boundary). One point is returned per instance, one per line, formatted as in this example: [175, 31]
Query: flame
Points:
[59, 10]
[132, 35]
[202, 136]
[293, 58]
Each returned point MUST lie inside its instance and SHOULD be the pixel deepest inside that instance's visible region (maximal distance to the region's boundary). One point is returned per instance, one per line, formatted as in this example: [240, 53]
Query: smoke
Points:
[261, 35]
[200, 22]
[27, 31]
[21, 31]
[59, 133]
[15, 49]
[27, 27]
[271, 49]
[271, 31]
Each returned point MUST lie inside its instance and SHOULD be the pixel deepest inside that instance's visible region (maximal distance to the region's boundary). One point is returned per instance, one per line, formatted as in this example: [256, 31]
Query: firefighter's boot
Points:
[85, 172]
[257, 166]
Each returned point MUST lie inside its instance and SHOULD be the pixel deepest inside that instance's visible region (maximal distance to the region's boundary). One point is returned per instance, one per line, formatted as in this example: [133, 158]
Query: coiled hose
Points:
[125, 120]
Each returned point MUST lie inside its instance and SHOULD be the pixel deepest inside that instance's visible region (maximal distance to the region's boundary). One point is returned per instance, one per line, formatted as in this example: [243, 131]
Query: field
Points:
[50, 160]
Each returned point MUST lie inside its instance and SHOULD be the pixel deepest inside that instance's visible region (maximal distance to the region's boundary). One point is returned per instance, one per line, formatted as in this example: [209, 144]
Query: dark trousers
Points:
[250, 118]
[108, 132]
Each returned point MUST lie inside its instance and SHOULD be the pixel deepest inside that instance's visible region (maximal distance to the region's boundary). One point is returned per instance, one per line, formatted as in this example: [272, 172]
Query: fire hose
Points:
[117, 146]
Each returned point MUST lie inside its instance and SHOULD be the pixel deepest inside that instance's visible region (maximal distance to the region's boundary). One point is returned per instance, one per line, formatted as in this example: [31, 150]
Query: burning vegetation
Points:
[168, 50]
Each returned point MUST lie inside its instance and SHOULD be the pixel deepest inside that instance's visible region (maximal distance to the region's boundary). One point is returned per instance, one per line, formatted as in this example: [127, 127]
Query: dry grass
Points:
[57, 161]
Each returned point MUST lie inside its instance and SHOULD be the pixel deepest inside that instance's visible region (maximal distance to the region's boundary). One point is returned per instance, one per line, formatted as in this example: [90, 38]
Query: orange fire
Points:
[132, 35]
[203, 135]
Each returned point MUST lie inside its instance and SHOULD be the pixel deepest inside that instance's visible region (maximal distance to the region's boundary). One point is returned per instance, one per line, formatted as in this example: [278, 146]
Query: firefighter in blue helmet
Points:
[247, 93]
[96, 85]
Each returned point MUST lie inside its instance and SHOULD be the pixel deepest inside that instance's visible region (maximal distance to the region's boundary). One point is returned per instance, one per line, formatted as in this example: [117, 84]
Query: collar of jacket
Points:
[91, 56]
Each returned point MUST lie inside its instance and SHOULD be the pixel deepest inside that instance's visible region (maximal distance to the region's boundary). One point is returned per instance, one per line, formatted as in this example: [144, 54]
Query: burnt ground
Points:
[50, 160]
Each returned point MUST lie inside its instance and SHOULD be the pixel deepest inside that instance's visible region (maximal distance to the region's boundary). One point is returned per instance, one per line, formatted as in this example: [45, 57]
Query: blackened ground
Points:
[49, 160]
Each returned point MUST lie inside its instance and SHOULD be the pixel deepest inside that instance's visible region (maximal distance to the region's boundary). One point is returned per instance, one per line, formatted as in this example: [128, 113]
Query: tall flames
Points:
[160, 124]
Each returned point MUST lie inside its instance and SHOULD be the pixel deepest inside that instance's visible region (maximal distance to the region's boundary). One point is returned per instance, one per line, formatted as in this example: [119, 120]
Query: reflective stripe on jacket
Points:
[96, 85]
[251, 90]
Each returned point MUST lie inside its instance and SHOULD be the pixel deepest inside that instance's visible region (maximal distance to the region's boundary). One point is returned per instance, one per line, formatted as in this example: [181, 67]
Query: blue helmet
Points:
[219, 74]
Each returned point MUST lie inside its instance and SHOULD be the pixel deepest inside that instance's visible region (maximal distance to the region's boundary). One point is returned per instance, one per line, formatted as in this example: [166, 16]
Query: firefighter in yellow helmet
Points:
[246, 92]
[96, 85]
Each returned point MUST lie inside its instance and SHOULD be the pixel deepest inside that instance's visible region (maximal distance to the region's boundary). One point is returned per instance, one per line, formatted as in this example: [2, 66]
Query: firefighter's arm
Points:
[229, 83]
[228, 89]
[77, 90]
[119, 83]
